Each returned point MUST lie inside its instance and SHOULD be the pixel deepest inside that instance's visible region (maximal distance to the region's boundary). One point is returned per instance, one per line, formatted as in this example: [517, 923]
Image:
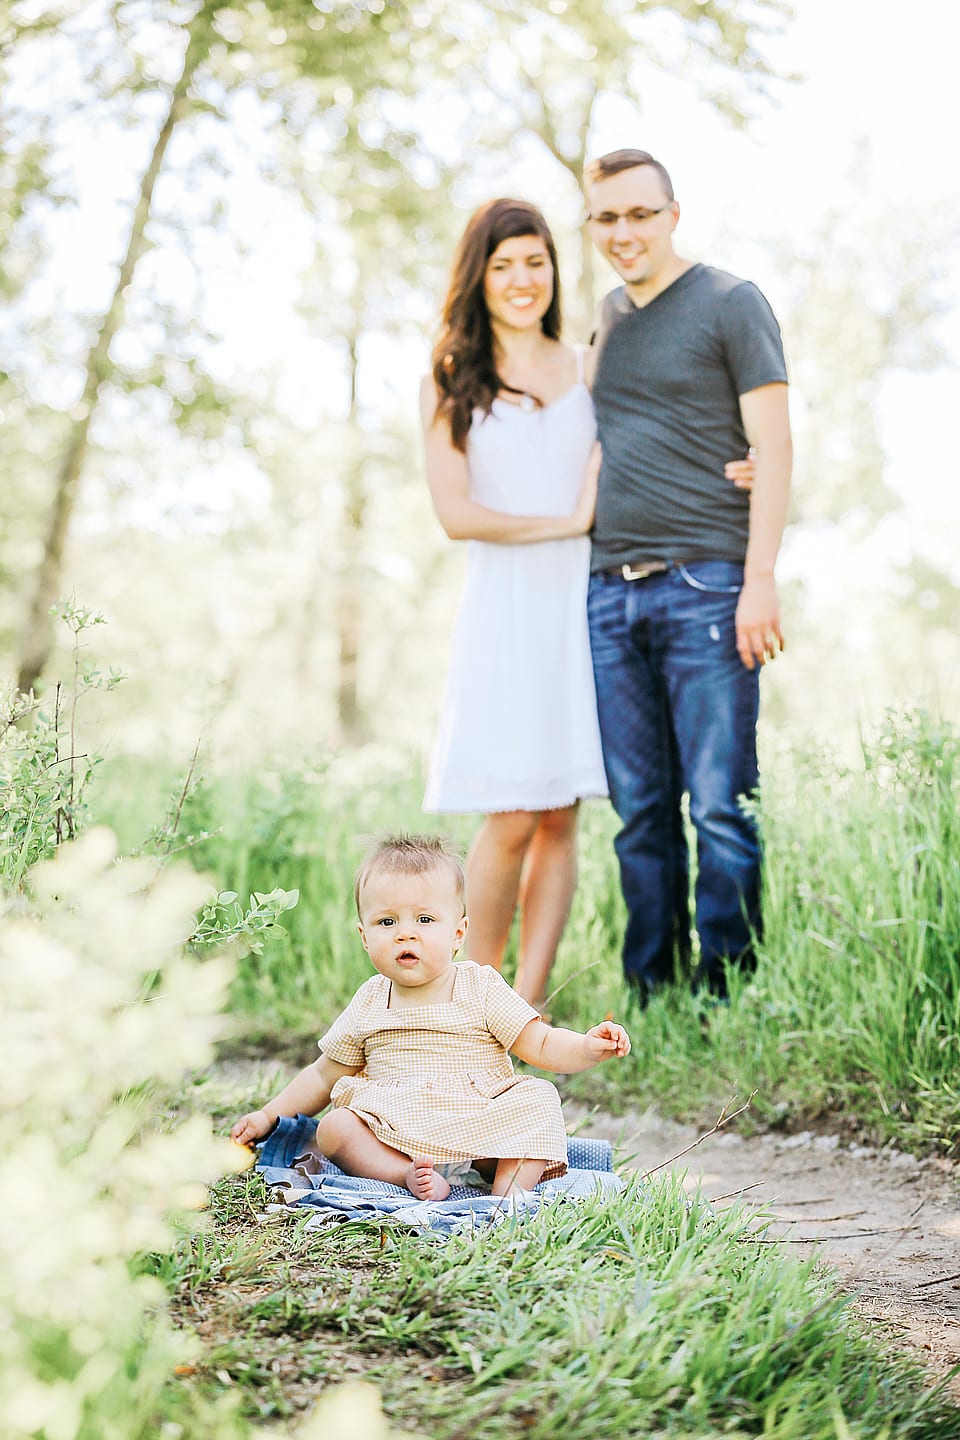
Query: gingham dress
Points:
[437, 1079]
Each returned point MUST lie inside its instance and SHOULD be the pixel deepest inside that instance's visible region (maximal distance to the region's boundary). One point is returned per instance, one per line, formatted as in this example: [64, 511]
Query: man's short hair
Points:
[617, 160]
[411, 855]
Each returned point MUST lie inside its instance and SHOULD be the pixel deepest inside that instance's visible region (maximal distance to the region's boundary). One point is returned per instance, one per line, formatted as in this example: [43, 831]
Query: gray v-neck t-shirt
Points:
[667, 386]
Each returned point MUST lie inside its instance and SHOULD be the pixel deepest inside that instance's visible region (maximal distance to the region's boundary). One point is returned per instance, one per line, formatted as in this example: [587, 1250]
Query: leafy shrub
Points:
[87, 1176]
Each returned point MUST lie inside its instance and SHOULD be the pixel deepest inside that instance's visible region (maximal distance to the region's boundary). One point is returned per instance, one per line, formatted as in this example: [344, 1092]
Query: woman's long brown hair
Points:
[464, 367]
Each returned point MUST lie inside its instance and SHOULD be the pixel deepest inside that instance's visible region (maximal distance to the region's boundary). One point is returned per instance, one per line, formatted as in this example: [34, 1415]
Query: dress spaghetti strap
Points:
[580, 351]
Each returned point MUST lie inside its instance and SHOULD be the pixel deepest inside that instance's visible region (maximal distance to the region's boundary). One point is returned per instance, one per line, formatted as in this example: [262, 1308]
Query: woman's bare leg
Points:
[350, 1143]
[494, 867]
[517, 1175]
[547, 886]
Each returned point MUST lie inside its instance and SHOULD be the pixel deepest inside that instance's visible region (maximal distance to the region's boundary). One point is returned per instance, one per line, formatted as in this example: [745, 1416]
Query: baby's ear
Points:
[363, 938]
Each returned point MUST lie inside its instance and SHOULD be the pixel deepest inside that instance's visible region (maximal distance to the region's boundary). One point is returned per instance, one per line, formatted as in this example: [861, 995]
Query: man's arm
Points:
[767, 423]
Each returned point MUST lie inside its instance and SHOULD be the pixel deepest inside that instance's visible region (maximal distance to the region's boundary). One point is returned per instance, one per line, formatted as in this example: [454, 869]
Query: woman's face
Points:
[518, 282]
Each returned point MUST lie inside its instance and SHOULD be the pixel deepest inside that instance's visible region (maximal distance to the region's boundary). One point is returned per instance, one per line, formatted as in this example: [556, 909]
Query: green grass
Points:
[645, 1315]
[854, 1010]
[639, 1317]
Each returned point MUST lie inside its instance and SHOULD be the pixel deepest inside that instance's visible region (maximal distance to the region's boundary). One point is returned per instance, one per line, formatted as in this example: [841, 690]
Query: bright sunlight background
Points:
[185, 551]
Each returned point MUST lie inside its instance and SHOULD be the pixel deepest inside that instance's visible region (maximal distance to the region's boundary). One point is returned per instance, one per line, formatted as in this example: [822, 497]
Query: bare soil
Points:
[888, 1224]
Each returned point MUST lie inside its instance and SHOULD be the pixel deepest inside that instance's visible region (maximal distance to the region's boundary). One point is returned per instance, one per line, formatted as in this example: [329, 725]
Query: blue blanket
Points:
[308, 1182]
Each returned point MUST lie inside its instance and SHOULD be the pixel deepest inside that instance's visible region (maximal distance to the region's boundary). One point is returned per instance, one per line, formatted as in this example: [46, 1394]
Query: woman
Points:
[512, 462]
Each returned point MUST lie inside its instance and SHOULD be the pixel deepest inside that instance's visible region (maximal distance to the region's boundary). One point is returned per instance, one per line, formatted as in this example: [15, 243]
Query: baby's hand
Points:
[606, 1040]
[252, 1127]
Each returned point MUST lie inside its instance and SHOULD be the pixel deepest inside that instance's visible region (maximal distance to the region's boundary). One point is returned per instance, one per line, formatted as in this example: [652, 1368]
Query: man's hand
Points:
[252, 1127]
[607, 1040]
[759, 636]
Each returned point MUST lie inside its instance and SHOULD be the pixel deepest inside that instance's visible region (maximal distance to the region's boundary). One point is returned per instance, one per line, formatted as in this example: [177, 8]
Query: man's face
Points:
[632, 223]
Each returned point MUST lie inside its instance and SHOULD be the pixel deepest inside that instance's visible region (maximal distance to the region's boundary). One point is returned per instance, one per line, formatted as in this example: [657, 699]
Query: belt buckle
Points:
[641, 572]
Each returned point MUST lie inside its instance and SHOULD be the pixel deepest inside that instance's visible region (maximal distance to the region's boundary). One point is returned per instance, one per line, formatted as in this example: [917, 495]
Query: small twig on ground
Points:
[943, 1280]
[820, 1219]
[898, 1230]
[729, 1194]
[723, 1119]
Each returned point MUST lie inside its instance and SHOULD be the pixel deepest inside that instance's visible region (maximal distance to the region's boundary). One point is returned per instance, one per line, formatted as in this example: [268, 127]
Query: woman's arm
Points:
[462, 518]
[742, 472]
[567, 1051]
[307, 1094]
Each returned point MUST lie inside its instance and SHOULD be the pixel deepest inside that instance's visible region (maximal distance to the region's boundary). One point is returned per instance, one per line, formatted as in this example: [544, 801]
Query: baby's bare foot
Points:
[423, 1181]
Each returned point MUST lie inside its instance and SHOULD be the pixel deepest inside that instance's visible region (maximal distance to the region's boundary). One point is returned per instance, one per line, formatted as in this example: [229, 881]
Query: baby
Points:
[417, 1069]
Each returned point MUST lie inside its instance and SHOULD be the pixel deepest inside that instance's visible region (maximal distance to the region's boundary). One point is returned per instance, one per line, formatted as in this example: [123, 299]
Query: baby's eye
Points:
[387, 920]
[425, 919]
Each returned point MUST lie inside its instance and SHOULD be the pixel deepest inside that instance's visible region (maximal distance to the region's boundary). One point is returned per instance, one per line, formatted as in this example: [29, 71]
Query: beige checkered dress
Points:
[437, 1079]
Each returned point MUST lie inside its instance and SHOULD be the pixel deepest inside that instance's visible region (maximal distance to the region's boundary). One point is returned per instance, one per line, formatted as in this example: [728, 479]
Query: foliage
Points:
[222, 920]
[87, 1176]
[43, 778]
[645, 1314]
[855, 1005]
[103, 1006]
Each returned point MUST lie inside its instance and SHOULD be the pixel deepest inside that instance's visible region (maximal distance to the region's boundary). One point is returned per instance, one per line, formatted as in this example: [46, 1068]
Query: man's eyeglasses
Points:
[608, 218]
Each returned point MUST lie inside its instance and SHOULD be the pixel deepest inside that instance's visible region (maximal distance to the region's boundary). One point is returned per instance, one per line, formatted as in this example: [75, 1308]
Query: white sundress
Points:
[518, 727]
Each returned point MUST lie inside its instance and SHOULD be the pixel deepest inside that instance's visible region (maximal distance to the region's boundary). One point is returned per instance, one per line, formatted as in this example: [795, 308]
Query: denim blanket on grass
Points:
[308, 1182]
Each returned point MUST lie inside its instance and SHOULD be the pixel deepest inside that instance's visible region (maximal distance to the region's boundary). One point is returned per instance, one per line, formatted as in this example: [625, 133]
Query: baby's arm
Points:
[307, 1094]
[567, 1051]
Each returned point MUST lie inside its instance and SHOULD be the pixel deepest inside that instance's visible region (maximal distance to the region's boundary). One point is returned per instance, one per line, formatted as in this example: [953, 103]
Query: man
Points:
[683, 603]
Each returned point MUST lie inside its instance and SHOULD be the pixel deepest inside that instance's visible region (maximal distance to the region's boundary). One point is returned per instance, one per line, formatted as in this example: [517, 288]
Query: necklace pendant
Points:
[527, 404]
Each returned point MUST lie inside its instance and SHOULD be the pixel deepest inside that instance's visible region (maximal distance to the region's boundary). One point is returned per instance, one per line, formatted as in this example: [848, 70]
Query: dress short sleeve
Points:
[341, 1042]
[505, 1012]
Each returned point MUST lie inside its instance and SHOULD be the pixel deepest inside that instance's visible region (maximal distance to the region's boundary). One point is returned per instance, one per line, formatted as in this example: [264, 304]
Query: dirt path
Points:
[887, 1223]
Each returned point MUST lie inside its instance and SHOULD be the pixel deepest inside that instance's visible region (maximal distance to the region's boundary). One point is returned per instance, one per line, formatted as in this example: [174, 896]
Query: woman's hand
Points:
[252, 1127]
[742, 472]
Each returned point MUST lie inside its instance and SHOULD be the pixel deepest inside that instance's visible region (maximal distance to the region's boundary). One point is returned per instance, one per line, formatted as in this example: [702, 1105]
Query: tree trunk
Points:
[586, 296]
[351, 587]
[37, 635]
[545, 129]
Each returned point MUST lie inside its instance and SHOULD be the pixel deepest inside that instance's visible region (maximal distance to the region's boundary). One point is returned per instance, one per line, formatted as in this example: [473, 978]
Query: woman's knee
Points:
[558, 826]
[513, 830]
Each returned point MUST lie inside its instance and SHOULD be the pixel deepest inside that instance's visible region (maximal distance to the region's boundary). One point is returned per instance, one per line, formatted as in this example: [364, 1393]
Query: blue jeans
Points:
[678, 713]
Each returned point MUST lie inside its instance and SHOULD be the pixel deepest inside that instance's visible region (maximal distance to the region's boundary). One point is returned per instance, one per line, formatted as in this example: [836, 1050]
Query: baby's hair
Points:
[411, 855]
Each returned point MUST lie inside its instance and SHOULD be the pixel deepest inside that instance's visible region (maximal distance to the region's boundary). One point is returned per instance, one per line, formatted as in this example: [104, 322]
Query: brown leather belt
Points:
[639, 569]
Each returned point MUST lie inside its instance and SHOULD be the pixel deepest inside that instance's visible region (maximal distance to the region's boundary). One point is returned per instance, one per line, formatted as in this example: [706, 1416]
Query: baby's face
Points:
[411, 925]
